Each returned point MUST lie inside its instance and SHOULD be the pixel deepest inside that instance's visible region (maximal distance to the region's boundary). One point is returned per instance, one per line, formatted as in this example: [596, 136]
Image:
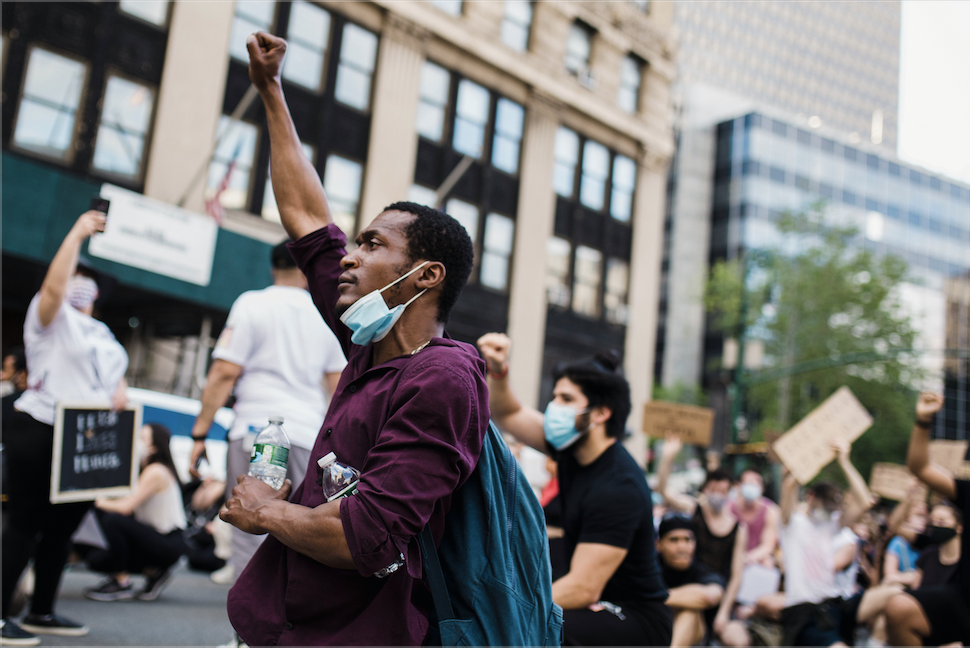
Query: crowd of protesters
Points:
[824, 565]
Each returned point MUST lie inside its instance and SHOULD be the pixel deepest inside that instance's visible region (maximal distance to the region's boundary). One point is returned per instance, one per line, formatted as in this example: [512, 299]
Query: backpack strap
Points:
[435, 577]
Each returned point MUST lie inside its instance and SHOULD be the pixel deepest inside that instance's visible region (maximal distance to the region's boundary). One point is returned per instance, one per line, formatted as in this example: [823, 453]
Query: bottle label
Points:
[265, 453]
[347, 491]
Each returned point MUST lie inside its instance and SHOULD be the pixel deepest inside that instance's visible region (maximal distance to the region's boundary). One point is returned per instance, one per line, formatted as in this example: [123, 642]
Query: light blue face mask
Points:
[369, 317]
[559, 425]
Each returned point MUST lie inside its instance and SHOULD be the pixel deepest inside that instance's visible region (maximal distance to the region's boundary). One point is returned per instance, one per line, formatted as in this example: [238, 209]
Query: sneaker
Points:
[53, 624]
[14, 635]
[235, 642]
[154, 585]
[224, 576]
[110, 590]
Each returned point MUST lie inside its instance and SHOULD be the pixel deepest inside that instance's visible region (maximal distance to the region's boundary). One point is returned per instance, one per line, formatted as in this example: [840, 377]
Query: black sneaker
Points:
[53, 624]
[154, 585]
[14, 635]
[110, 590]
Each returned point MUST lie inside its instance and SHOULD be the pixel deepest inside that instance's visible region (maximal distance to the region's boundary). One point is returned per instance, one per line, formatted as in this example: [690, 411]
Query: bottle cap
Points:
[276, 419]
[326, 460]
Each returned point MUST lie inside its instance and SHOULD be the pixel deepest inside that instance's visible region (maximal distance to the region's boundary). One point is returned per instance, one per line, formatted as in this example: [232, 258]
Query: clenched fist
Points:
[266, 54]
[495, 349]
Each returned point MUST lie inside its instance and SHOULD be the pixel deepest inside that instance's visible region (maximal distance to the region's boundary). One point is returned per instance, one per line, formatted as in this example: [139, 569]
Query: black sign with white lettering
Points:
[94, 453]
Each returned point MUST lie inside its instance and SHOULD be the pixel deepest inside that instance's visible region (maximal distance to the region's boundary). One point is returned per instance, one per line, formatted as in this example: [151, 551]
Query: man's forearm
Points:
[918, 456]
[694, 596]
[572, 593]
[314, 532]
[857, 485]
[299, 193]
[216, 393]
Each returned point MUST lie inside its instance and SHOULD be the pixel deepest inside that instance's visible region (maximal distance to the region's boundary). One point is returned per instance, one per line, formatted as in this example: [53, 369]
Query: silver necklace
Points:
[421, 347]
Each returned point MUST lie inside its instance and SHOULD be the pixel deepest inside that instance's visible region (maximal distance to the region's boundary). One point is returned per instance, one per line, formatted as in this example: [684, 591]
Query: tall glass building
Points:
[765, 166]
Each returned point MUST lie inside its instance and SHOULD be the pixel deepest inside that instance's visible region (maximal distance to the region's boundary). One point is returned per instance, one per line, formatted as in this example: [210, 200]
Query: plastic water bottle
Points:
[337, 479]
[271, 452]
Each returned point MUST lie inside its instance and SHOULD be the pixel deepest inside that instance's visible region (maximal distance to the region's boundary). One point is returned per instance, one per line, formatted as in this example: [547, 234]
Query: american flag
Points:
[213, 206]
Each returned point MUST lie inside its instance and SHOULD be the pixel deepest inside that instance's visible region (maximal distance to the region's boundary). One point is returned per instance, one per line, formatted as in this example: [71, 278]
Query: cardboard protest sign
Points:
[94, 452]
[952, 456]
[806, 448]
[893, 482]
[690, 423]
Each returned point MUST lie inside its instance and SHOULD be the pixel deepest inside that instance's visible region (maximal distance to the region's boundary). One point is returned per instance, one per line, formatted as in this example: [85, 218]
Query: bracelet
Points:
[200, 438]
[926, 425]
[498, 376]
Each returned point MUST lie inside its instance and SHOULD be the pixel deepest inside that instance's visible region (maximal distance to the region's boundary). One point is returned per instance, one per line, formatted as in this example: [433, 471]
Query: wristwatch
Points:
[390, 569]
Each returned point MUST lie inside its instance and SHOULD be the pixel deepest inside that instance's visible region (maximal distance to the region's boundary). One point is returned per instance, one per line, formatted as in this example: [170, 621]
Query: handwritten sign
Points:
[94, 452]
[806, 448]
[951, 456]
[691, 423]
[156, 236]
[893, 482]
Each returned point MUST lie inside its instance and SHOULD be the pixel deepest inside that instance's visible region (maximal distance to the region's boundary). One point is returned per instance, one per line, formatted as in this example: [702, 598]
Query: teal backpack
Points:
[493, 583]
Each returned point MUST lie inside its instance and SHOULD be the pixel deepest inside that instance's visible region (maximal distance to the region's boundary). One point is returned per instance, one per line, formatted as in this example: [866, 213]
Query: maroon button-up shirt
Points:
[414, 428]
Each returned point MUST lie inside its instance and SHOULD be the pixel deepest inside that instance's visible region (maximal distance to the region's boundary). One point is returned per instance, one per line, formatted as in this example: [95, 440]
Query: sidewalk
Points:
[190, 612]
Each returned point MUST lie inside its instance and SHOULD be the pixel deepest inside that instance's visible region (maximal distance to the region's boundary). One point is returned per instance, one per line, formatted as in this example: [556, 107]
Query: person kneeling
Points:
[143, 530]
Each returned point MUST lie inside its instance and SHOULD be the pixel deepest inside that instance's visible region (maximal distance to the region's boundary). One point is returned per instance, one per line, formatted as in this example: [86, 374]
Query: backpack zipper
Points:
[510, 512]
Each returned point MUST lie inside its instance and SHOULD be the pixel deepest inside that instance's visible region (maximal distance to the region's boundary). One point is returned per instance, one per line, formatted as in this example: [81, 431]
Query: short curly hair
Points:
[434, 235]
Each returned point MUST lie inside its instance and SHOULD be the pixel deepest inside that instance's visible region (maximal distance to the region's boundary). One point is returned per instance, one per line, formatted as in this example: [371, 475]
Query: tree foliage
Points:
[820, 294]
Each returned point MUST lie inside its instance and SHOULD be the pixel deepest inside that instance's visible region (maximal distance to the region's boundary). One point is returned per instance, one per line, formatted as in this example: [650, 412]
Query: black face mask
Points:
[934, 535]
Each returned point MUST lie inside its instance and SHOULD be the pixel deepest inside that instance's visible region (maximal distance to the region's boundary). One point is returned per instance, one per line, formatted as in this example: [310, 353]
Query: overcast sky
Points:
[934, 86]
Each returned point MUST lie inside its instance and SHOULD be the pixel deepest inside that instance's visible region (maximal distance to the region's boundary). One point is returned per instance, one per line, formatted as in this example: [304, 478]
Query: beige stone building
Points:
[558, 112]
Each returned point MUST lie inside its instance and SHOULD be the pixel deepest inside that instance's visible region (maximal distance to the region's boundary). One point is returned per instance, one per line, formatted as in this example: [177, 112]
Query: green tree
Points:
[819, 294]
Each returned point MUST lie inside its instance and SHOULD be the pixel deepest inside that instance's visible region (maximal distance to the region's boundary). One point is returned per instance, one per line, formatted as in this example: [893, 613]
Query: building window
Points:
[307, 35]
[596, 169]
[642, 5]
[509, 117]
[471, 118]
[151, 11]
[617, 288]
[358, 57]
[466, 214]
[342, 182]
[48, 108]
[270, 211]
[422, 195]
[586, 281]
[251, 16]
[567, 156]
[578, 44]
[496, 251]
[558, 254]
[232, 163]
[628, 96]
[516, 23]
[434, 88]
[624, 181]
[126, 115]
[452, 7]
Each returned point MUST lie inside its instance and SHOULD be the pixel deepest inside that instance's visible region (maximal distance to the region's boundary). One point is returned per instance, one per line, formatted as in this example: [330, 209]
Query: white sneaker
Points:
[224, 576]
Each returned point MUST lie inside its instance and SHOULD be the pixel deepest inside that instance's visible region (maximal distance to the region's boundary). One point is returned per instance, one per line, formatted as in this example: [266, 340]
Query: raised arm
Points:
[299, 193]
[789, 497]
[918, 458]
[524, 423]
[861, 499]
[64, 264]
[679, 501]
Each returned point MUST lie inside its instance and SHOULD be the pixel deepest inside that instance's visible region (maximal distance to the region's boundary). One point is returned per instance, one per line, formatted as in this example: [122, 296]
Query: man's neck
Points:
[950, 551]
[593, 446]
[289, 282]
[403, 341]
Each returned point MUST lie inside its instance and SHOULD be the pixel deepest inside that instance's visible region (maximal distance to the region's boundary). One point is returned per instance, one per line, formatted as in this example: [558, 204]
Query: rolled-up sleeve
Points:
[427, 448]
[318, 256]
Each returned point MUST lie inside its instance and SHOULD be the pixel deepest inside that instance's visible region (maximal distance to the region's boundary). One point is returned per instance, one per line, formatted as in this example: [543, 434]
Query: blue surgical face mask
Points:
[559, 425]
[369, 317]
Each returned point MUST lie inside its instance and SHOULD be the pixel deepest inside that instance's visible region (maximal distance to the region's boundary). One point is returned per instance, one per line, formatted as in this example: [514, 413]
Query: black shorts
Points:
[649, 623]
[948, 612]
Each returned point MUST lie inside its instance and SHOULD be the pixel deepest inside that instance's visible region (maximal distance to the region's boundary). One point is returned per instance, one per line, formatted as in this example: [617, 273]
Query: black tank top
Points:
[714, 552]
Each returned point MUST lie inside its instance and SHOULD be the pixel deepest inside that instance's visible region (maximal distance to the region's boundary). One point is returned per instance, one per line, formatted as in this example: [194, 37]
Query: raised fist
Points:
[495, 349]
[266, 54]
[928, 405]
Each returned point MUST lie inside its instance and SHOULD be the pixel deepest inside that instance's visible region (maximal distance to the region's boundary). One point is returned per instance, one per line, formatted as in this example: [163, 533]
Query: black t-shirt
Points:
[934, 572]
[963, 503]
[696, 574]
[608, 502]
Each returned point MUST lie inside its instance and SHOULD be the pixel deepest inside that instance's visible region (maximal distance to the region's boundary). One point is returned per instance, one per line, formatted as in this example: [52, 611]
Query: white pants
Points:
[244, 545]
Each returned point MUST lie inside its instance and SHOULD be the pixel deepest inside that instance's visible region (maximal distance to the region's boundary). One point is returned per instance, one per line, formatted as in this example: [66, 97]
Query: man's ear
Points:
[431, 276]
[601, 414]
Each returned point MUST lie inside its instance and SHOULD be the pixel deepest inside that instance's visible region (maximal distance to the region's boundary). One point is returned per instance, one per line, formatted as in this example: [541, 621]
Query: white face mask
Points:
[821, 515]
[81, 291]
[750, 492]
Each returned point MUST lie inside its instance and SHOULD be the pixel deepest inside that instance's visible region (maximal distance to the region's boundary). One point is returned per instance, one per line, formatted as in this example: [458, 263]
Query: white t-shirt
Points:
[808, 548]
[846, 579]
[74, 360]
[284, 347]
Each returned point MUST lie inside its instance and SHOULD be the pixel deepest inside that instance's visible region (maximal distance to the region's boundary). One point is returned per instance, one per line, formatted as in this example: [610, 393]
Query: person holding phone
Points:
[73, 358]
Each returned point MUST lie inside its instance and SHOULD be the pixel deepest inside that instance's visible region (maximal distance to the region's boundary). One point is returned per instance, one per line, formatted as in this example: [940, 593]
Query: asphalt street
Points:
[190, 612]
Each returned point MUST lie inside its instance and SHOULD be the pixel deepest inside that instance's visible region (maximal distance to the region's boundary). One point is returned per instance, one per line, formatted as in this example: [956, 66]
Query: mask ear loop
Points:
[405, 276]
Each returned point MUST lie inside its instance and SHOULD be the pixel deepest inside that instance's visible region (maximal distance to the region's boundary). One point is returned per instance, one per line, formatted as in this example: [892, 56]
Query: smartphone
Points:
[100, 204]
